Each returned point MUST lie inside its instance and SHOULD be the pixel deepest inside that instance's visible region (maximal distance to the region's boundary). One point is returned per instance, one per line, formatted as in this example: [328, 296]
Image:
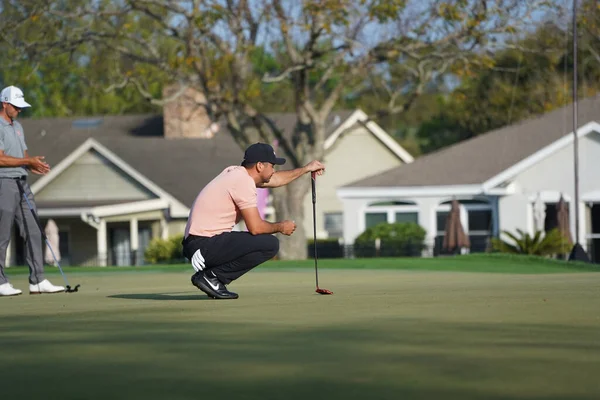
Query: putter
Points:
[68, 288]
[313, 177]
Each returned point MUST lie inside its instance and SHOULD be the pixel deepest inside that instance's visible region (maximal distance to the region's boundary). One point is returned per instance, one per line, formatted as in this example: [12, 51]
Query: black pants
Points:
[232, 254]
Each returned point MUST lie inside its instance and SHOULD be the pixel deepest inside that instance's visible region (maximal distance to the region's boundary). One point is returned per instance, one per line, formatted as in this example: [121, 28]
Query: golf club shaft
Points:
[313, 177]
[39, 224]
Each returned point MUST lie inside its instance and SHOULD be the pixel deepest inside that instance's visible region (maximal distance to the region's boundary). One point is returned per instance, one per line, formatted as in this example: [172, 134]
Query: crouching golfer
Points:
[219, 255]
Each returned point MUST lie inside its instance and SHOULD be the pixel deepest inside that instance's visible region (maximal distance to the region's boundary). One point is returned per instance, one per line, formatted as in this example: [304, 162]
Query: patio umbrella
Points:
[455, 238]
[562, 216]
[51, 232]
[539, 213]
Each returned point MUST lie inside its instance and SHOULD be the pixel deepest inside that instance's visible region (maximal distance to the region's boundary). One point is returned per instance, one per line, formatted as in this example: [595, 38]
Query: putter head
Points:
[72, 290]
[323, 291]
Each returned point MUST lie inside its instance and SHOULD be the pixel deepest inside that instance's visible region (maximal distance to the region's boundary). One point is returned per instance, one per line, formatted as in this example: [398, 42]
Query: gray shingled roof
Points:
[476, 160]
[179, 166]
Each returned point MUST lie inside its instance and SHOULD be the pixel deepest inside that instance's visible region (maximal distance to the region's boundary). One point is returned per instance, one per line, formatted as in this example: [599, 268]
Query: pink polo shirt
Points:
[217, 207]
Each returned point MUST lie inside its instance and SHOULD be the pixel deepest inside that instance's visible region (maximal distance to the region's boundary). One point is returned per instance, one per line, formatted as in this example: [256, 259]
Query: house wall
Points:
[355, 155]
[552, 176]
[176, 227]
[354, 214]
[82, 240]
[83, 243]
[92, 177]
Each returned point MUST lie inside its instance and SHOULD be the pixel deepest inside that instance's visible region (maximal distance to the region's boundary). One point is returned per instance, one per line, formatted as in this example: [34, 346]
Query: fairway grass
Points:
[385, 334]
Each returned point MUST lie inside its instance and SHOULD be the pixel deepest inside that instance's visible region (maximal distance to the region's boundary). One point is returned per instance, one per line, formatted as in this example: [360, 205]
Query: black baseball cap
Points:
[261, 152]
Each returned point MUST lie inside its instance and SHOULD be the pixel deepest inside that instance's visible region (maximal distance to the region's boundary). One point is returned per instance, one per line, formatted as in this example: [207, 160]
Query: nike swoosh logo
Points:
[211, 285]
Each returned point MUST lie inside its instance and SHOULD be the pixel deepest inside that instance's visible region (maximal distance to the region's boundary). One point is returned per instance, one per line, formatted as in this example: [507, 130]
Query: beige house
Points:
[119, 181]
[356, 149]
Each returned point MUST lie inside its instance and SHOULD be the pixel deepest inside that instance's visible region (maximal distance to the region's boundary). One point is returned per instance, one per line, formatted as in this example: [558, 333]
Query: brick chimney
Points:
[186, 117]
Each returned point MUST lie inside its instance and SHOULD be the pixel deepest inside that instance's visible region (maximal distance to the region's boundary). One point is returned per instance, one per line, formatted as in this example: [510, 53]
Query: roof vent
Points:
[87, 123]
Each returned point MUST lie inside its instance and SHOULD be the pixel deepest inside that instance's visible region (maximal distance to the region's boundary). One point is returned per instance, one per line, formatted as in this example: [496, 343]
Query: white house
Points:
[496, 176]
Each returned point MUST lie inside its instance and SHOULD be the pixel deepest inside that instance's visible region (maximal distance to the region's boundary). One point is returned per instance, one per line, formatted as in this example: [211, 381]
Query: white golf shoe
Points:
[45, 287]
[6, 289]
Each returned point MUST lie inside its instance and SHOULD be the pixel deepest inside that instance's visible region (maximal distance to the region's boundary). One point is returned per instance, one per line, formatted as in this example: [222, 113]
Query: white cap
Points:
[14, 96]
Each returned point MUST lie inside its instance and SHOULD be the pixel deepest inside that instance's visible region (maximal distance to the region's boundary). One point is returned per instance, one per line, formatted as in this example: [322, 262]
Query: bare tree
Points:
[324, 48]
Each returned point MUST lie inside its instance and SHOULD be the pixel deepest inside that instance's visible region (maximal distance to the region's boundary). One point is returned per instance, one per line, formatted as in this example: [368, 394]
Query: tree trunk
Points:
[289, 204]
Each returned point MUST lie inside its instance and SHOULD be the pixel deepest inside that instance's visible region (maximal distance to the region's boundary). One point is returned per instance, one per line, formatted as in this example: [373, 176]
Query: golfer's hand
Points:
[37, 165]
[315, 166]
[288, 227]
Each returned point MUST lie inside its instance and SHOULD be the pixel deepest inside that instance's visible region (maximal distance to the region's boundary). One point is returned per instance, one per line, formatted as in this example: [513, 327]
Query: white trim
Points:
[591, 197]
[177, 209]
[129, 208]
[549, 196]
[62, 212]
[540, 155]
[395, 208]
[407, 191]
[508, 190]
[376, 130]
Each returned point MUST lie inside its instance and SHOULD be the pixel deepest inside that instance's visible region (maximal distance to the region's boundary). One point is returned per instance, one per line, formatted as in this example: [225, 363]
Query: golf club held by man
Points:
[220, 255]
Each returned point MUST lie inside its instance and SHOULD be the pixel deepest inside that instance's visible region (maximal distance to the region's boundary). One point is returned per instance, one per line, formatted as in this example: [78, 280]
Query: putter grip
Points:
[313, 176]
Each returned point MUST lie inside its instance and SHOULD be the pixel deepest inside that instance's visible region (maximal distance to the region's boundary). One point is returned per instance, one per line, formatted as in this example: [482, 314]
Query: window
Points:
[480, 220]
[478, 224]
[391, 212]
[334, 224]
[372, 219]
[551, 220]
[407, 217]
[441, 221]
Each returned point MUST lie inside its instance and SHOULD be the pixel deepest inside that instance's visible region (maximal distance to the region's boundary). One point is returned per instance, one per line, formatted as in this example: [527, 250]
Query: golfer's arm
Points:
[256, 225]
[282, 178]
[8, 161]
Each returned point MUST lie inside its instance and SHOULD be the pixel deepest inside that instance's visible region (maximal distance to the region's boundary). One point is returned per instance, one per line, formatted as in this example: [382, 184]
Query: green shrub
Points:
[160, 250]
[326, 248]
[553, 242]
[399, 239]
[177, 247]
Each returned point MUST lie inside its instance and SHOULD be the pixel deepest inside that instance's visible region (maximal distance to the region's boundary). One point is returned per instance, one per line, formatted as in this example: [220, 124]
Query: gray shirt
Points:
[12, 142]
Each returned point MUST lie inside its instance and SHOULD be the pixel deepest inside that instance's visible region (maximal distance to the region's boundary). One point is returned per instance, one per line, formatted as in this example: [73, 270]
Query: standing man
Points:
[219, 255]
[14, 163]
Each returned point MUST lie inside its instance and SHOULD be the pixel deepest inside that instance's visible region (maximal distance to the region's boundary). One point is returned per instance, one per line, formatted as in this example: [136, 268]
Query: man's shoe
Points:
[209, 284]
[45, 287]
[6, 289]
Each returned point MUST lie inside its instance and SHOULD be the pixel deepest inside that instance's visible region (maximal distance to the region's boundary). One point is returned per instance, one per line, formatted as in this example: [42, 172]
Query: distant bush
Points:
[399, 239]
[326, 248]
[161, 250]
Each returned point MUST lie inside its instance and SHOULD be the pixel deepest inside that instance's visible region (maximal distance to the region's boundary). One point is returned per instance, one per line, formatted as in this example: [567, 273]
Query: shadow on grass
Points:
[161, 296]
[155, 353]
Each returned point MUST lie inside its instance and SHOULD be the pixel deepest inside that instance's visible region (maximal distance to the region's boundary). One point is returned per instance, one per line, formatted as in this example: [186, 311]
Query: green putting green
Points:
[384, 334]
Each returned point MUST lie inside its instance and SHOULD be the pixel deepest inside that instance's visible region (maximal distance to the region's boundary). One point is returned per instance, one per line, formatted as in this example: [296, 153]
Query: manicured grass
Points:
[384, 334]
[495, 263]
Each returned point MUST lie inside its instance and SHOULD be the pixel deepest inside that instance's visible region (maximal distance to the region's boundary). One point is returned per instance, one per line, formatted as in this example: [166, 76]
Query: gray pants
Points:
[14, 208]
